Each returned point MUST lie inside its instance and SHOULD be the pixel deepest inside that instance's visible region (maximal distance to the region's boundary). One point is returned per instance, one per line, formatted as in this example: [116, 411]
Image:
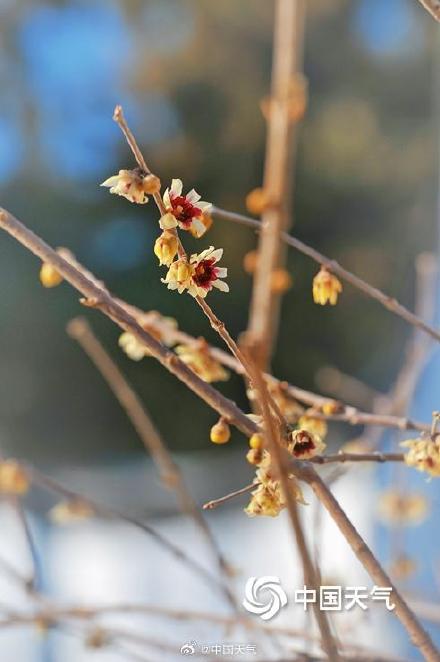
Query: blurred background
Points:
[190, 75]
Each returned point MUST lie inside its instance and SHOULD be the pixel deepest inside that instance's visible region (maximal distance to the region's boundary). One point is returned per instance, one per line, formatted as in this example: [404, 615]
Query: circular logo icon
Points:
[264, 596]
[188, 648]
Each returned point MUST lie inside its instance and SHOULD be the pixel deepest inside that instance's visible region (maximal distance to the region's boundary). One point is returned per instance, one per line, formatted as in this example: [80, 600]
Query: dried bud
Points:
[257, 201]
[220, 432]
[280, 281]
[49, 276]
[250, 262]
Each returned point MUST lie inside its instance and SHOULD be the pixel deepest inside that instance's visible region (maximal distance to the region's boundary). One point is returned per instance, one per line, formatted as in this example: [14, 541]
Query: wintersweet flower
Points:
[134, 349]
[165, 247]
[423, 455]
[133, 185]
[186, 211]
[326, 288]
[305, 444]
[179, 275]
[198, 357]
[206, 274]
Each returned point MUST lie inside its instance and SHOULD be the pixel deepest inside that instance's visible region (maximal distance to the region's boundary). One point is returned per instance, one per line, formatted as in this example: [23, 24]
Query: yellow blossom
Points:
[185, 211]
[423, 454]
[314, 425]
[198, 357]
[134, 349]
[49, 276]
[268, 498]
[165, 248]
[13, 478]
[402, 508]
[179, 275]
[305, 445]
[220, 432]
[326, 288]
[72, 510]
[206, 274]
[133, 185]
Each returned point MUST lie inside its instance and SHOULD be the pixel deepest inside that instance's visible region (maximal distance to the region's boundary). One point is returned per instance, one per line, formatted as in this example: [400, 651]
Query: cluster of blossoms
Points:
[268, 498]
[197, 275]
[424, 454]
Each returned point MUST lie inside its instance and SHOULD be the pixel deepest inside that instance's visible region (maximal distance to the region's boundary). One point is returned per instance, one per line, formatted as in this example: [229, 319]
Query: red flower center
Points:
[303, 445]
[205, 273]
[183, 210]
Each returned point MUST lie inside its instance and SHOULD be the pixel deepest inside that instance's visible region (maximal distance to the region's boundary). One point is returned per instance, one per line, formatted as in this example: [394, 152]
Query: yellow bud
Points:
[332, 407]
[13, 478]
[257, 201]
[165, 248]
[151, 184]
[220, 432]
[256, 441]
[49, 276]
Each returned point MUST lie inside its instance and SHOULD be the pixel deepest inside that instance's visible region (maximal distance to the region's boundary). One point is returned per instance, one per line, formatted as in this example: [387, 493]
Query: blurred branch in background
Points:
[433, 7]
[286, 85]
[171, 476]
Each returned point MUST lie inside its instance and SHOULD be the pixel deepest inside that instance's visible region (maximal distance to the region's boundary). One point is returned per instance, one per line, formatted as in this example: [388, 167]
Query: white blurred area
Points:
[108, 562]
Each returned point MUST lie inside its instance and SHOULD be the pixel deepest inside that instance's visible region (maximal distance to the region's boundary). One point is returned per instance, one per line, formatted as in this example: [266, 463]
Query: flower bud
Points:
[165, 248]
[49, 276]
[13, 478]
[220, 432]
[256, 441]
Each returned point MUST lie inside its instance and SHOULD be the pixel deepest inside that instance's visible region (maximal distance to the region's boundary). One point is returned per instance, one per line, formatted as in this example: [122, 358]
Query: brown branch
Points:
[169, 471]
[110, 307]
[385, 300]
[319, 459]
[348, 414]
[273, 444]
[417, 633]
[278, 168]
[433, 7]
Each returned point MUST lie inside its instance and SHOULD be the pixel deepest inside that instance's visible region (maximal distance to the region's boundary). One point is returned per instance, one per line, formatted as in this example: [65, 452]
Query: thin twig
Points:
[387, 301]
[169, 471]
[318, 459]
[273, 442]
[52, 485]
